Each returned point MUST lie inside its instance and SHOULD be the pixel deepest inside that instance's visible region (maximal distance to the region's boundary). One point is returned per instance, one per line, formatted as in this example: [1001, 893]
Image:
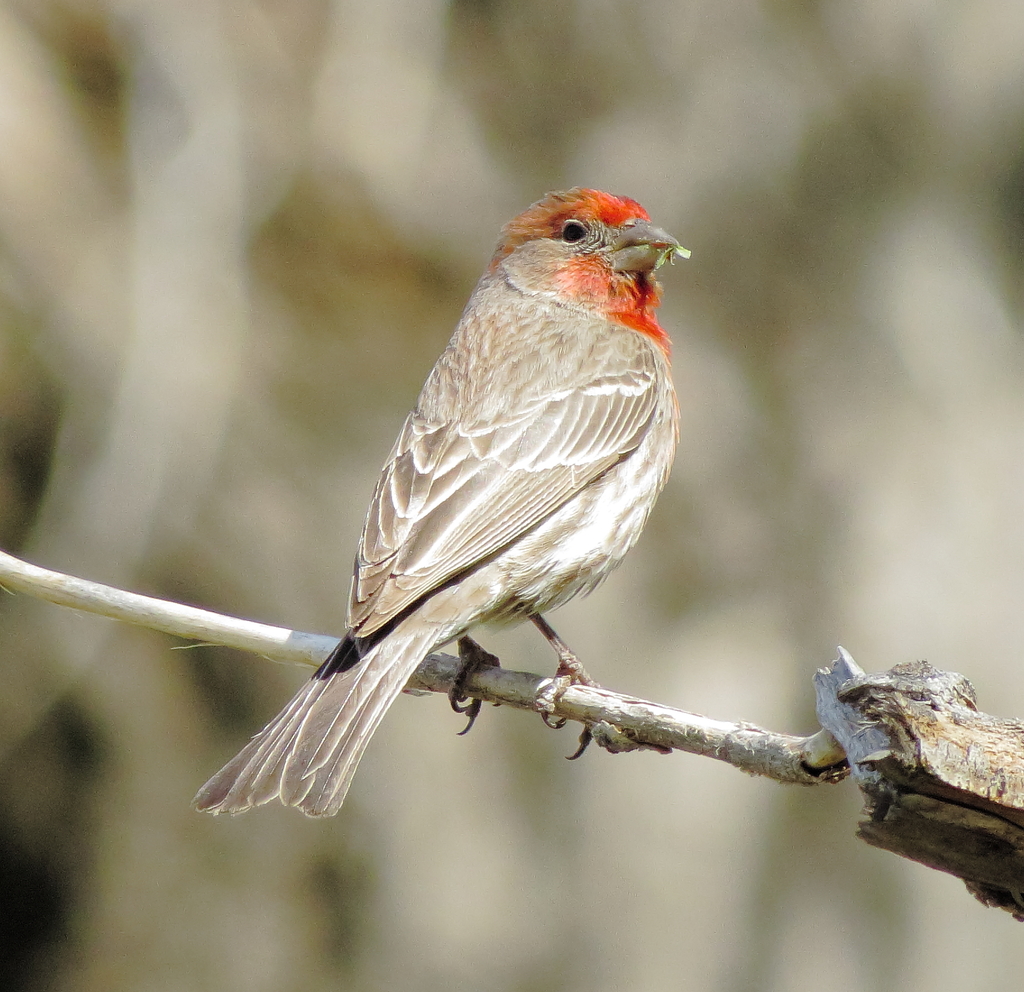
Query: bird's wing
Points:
[453, 495]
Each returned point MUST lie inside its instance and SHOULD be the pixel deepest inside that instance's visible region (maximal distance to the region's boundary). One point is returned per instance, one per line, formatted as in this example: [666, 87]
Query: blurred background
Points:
[234, 235]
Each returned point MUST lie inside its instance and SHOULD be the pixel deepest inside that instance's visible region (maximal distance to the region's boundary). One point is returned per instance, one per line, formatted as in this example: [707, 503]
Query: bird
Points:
[523, 475]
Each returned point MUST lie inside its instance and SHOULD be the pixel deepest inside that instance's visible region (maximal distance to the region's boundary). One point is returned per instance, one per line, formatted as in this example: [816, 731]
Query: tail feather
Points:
[340, 765]
[307, 755]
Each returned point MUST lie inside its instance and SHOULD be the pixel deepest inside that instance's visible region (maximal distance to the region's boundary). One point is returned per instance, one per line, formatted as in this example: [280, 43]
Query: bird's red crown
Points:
[547, 216]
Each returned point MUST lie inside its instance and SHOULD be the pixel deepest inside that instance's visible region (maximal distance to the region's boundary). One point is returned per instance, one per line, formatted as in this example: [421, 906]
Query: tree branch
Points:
[624, 723]
[618, 722]
[160, 614]
[943, 784]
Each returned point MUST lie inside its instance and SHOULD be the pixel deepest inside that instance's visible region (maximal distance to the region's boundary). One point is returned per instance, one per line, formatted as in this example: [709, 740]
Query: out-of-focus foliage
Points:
[233, 238]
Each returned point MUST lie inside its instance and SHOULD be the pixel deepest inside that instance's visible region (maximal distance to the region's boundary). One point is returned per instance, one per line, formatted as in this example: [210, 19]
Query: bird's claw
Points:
[546, 702]
[471, 709]
[472, 658]
[586, 736]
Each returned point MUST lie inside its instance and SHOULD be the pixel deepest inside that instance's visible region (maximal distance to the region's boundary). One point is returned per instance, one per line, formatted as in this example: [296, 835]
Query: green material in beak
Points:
[642, 247]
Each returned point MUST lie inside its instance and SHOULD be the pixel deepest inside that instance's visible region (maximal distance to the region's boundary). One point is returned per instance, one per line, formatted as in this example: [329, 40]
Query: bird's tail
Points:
[306, 756]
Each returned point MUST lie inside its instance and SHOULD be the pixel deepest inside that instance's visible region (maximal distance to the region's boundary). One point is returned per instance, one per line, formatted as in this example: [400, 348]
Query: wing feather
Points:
[455, 492]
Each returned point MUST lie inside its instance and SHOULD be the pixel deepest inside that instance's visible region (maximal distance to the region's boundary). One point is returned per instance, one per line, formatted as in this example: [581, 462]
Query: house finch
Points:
[527, 470]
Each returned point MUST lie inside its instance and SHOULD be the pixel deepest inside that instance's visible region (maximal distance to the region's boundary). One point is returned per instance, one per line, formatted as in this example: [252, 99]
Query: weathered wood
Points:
[943, 783]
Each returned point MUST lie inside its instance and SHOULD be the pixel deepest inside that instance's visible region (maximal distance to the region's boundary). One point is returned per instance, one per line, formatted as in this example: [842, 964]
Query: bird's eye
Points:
[573, 231]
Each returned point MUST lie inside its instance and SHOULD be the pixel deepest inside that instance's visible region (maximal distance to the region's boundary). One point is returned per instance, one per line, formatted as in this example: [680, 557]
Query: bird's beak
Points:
[642, 247]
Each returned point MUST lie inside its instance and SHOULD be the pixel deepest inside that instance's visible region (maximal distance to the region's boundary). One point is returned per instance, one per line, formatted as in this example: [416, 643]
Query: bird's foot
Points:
[546, 703]
[472, 659]
[570, 672]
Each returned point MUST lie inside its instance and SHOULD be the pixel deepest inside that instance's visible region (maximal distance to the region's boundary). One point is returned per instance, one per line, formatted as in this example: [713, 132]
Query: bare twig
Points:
[619, 722]
[160, 614]
[623, 723]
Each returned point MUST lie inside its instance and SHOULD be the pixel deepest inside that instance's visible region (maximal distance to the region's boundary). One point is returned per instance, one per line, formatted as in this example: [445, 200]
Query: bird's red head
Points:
[547, 217]
[590, 248]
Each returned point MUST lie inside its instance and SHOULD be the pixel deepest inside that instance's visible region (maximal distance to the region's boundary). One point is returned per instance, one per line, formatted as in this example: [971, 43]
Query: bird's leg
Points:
[569, 666]
[472, 658]
[570, 672]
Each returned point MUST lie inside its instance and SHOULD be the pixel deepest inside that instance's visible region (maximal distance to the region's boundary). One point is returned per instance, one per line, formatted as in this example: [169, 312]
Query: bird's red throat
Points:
[629, 299]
